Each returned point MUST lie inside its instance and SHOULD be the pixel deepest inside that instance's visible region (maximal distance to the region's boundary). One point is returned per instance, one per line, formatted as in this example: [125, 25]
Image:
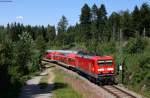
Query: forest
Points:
[124, 35]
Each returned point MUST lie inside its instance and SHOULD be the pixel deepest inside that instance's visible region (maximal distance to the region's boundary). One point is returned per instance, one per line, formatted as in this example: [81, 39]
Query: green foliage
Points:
[34, 65]
[62, 29]
[139, 78]
[62, 25]
[85, 20]
[136, 18]
[126, 25]
[136, 45]
[145, 17]
[8, 81]
[107, 48]
[51, 33]
[85, 15]
[24, 52]
[40, 44]
[114, 25]
[63, 89]
[17, 61]
[137, 68]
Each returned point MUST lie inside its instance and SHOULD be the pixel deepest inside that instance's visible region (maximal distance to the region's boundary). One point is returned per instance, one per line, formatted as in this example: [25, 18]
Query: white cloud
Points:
[19, 17]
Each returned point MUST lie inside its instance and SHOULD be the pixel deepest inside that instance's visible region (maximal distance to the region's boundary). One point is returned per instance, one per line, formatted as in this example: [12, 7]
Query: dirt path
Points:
[32, 88]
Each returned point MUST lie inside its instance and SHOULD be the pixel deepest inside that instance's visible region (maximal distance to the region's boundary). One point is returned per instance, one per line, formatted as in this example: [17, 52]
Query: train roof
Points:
[72, 53]
[102, 57]
[63, 51]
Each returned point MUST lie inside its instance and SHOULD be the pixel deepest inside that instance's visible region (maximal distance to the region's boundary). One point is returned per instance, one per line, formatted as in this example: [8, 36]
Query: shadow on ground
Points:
[37, 90]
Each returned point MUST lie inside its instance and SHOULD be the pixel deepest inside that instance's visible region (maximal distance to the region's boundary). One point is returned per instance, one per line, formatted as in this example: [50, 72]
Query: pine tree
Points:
[51, 33]
[145, 19]
[62, 25]
[114, 25]
[126, 25]
[24, 52]
[94, 24]
[102, 19]
[61, 30]
[136, 19]
[85, 21]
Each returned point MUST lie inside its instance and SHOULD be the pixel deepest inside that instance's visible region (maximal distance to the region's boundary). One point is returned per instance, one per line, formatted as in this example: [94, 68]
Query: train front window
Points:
[105, 62]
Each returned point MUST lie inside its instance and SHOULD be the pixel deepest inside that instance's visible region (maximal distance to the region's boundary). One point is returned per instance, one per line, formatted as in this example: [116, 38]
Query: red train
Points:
[99, 69]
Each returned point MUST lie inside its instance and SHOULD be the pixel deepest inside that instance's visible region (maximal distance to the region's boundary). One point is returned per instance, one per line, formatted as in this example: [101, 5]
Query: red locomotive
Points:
[99, 69]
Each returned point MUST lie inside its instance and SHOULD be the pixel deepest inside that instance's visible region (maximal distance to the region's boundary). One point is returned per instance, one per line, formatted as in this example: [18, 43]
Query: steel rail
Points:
[119, 91]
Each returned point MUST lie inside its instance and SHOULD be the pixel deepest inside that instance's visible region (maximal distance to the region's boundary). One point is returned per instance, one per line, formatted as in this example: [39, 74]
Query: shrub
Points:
[107, 48]
[136, 45]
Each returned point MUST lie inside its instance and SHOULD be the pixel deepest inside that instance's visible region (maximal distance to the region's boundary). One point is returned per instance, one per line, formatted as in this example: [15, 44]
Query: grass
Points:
[61, 88]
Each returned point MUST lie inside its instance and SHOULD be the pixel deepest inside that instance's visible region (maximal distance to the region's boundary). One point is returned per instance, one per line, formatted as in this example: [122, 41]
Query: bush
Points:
[107, 48]
[23, 52]
[137, 75]
[136, 45]
[18, 60]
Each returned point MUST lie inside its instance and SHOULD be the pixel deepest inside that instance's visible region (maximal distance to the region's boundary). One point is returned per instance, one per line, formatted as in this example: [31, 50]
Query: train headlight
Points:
[101, 69]
[110, 69]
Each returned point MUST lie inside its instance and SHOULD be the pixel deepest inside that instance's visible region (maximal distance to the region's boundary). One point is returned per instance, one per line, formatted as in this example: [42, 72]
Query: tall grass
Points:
[61, 88]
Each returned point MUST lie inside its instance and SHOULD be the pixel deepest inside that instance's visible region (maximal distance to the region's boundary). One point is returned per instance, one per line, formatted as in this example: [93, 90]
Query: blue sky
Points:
[43, 12]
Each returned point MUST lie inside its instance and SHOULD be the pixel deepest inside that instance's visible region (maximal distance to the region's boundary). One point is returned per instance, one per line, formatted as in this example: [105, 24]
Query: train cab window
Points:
[105, 62]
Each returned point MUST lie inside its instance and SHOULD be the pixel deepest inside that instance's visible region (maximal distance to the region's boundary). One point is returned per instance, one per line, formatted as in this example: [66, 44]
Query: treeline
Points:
[14, 29]
[96, 27]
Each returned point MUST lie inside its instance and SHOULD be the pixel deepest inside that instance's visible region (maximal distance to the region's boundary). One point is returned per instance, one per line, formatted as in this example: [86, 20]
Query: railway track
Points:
[119, 93]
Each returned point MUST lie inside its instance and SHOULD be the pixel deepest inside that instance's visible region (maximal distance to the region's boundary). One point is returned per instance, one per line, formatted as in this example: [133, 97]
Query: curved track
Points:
[119, 93]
